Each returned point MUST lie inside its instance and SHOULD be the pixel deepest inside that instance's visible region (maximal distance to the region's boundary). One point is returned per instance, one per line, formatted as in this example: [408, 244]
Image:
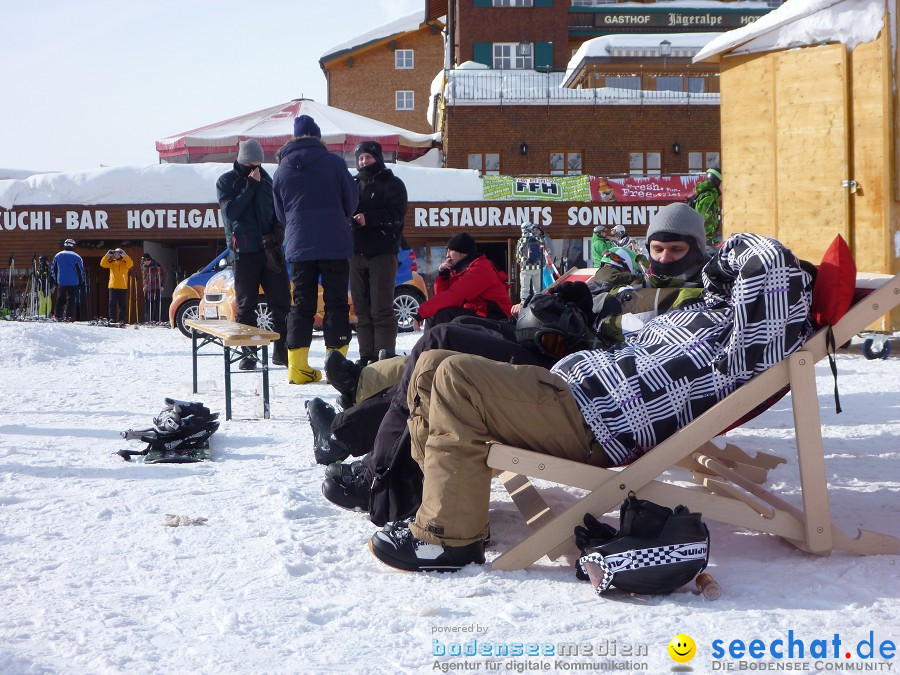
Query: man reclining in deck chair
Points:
[388, 482]
[604, 408]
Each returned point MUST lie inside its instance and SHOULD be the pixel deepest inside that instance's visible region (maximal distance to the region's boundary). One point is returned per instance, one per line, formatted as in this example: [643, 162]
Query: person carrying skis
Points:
[599, 244]
[67, 270]
[153, 280]
[706, 201]
[531, 262]
[118, 263]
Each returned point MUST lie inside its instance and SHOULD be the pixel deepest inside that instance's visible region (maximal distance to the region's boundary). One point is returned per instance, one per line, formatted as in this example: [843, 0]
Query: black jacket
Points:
[248, 210]
[382, 199]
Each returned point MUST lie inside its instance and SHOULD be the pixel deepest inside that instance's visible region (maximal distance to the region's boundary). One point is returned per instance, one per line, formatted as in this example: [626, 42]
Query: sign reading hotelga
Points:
[85, 220]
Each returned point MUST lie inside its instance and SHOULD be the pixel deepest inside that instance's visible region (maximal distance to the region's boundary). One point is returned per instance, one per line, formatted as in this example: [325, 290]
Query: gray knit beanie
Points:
[680, 220]
[250, 151]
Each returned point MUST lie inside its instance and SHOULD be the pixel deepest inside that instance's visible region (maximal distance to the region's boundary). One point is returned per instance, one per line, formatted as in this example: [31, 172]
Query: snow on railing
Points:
[532, 87]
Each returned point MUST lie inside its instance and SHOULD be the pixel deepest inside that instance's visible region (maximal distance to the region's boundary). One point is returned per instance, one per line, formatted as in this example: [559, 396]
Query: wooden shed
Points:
[809, 122]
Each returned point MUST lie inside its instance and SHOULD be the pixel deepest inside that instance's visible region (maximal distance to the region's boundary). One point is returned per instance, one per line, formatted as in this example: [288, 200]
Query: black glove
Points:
[594, 533]
[576, 292]
[274, 254]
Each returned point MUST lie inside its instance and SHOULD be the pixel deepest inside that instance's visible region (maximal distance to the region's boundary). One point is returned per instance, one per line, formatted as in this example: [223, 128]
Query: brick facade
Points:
[365, 81]
[512, 24]
[605, 135]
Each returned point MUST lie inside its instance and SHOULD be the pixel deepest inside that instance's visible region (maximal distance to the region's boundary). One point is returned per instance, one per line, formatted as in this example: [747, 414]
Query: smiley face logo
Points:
[682, 648]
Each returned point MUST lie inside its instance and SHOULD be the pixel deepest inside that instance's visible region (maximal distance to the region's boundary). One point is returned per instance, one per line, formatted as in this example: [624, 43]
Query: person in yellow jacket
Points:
[118, 263]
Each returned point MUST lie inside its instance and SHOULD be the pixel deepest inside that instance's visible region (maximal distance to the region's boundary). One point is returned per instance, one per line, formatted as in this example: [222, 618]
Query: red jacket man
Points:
[467, 285]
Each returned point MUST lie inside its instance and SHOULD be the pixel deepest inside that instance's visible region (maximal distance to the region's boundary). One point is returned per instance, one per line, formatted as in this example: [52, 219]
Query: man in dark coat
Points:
[254, 234]
[377, 227]
[315, 196]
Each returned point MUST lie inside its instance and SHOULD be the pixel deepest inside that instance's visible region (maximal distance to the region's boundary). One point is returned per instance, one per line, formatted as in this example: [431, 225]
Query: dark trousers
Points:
[152, 311]
[251, 272]
[66, 299]
[335, 277]
[372, 288]
[482, 337]
[118, 299]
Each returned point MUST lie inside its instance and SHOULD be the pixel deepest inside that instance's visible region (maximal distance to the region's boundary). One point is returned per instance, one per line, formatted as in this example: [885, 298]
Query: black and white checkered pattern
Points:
[602, 569]
[754, 312]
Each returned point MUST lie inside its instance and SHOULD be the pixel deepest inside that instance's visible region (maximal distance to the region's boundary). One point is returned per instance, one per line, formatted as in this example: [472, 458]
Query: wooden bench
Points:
[231, 336]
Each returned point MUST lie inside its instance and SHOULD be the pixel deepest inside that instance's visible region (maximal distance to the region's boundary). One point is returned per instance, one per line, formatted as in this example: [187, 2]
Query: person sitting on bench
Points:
[602, 407]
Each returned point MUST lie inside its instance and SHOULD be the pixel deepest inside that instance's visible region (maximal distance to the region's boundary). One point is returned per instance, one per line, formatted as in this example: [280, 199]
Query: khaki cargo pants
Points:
[459, 402]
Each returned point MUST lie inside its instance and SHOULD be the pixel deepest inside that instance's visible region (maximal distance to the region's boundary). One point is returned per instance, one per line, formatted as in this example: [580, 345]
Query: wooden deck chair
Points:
[731, 479]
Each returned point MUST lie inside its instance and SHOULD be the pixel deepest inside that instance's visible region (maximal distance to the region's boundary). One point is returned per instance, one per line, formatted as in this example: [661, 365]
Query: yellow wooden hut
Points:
[809, 124]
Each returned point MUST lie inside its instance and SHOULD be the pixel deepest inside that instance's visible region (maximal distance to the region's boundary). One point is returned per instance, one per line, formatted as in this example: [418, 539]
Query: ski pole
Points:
[159, 285]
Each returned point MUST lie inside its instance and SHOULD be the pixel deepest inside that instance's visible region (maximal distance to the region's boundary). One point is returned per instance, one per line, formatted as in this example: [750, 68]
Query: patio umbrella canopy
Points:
[273, 127]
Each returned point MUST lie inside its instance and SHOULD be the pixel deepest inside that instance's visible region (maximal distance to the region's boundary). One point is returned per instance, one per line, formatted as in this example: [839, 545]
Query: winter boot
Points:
[396, 546]
[343, 349]
[349, 489]
[299, 370]
[279, 353]
[327, 448]
[249, 360]
[342, 374]
[345, 471]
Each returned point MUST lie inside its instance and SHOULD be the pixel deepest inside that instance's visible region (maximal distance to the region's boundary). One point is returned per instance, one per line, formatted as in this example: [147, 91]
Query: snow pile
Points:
[405, 24]
[800, 23]
[277, 580]
[196, 184]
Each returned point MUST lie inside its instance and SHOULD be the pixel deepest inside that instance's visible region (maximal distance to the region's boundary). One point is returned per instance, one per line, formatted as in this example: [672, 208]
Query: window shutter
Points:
[540, 3]
[484, 53]
[543, 56]
[484, 3]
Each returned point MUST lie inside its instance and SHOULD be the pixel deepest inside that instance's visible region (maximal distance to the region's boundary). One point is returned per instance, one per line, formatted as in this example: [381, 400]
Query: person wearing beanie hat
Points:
[315, 198]
[67, 272]
[250, 152]
[254, 235]
[467, 284]
[305, 126]
[676, 242]
[377, 228]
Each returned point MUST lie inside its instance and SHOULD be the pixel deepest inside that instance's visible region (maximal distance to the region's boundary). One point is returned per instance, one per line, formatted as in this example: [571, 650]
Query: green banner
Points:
[555, 189]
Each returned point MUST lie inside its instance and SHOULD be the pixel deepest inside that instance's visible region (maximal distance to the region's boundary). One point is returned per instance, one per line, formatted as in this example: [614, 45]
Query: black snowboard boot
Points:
[349, 490]
[327, 448]
[279, 353]
[249, 360]
[396, 546]
[342, 374]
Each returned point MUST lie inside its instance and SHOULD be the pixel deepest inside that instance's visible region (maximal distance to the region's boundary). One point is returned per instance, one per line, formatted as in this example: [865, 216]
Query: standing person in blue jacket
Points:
[67, 270]
[315, 196]
[254, 234]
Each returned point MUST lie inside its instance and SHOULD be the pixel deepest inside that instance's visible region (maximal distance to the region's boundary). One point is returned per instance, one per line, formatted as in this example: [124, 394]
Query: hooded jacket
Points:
[118, 271]
[248, 210]
[475, 284]
[382, 199]
[314, 197]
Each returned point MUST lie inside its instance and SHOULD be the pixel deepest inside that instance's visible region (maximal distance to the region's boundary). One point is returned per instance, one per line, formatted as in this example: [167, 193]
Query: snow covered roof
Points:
[683, 45]
[405, 24]
[800, 23]
[196, 184]
[274, 126]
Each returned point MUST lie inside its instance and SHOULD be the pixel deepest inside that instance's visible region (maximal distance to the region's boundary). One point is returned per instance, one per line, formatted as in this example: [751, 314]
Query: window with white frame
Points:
[644, 163]
[405, 100]
[513, 3]
[592, 3]
[513, 56]
[488, 163]
[565, 163]
[403, 59]
[699, 162]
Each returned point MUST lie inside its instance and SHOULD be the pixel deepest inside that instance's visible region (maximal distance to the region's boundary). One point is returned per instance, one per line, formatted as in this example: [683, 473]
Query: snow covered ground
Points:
[280, 581]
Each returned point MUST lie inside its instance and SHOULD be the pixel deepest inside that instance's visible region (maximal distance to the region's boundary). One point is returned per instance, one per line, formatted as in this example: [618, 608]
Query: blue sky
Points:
[96, 82]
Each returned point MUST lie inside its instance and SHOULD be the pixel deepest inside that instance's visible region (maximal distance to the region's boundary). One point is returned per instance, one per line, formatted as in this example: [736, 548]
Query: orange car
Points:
[218, 300]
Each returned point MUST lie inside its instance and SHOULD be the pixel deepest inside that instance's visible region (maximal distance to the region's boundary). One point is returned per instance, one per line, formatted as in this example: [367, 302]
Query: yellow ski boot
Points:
[299, 370]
